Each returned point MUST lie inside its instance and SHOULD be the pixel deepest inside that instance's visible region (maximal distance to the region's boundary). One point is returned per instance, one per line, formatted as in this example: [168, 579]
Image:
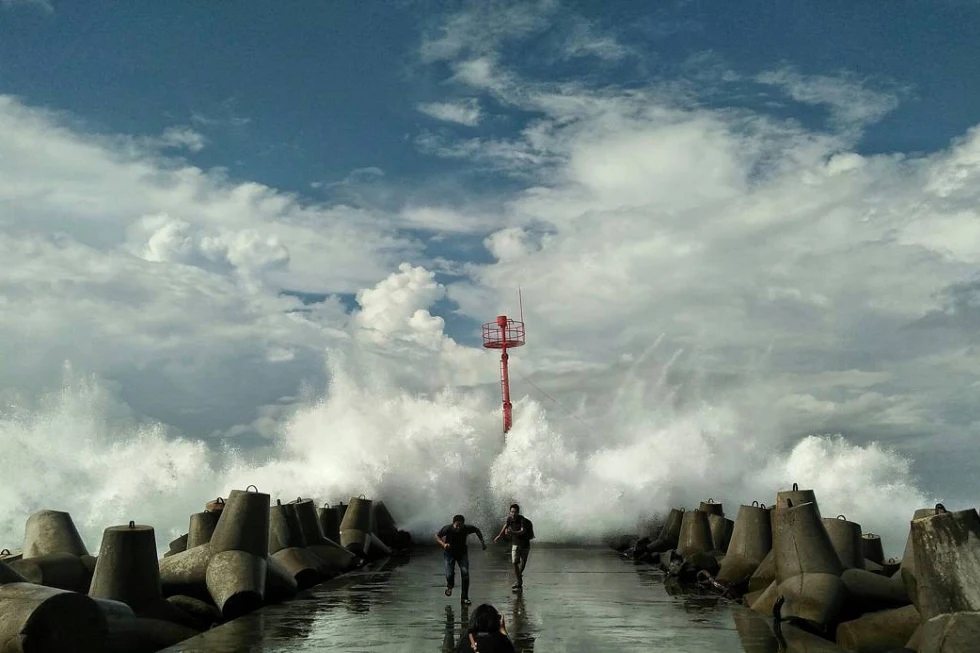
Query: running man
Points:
[452, 539]
[521, 532]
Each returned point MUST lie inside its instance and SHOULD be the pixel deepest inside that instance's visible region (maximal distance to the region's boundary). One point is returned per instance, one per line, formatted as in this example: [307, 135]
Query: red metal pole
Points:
[506, 383]
[504, 378]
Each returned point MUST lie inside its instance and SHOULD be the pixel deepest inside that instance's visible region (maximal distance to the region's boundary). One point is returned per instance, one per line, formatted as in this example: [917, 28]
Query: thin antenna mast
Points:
[520, 300]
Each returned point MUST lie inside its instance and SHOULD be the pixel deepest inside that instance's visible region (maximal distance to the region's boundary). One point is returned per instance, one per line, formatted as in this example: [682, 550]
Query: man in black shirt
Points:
[452, 539]
[521, 532]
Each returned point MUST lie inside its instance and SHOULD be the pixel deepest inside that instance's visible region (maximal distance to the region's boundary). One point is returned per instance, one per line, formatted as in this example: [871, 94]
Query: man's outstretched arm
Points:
[442, 542]
[479, 536]
[503, 529]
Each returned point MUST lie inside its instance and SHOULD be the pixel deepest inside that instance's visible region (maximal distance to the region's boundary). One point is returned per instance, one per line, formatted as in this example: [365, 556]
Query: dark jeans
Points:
[463, 561]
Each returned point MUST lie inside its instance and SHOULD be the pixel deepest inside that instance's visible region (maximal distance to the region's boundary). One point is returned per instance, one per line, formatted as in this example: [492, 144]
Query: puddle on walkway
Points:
[574, 601]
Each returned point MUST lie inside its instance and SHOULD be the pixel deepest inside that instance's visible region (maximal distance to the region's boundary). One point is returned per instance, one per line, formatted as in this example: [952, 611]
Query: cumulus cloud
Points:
[167, 278]
[466, 112]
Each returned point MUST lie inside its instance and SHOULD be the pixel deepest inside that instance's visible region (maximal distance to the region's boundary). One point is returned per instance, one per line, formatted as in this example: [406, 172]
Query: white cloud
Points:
[445, 221]
[165, 277]
[850, 101]
[583, 40]
[466, 112]
[508, 244]
[183, 137]
[483, 26]
[479, 73]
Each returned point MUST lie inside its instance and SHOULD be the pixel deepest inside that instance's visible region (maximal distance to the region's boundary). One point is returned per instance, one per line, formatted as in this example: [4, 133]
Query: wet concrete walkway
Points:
[575, 601]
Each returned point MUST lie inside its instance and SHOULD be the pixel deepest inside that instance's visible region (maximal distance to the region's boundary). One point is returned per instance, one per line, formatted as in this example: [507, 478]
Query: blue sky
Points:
[308, 92]
[727, 218]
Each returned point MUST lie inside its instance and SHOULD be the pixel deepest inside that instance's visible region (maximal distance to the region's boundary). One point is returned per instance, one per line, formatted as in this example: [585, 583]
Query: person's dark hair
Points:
[485, 619]
[514, 505]
[457, 518]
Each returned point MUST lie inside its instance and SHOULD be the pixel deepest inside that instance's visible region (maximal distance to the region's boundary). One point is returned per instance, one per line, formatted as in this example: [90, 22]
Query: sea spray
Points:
[430, 455]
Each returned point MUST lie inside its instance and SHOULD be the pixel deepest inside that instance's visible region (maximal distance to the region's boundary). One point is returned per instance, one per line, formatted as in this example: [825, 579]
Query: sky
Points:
[243, 242]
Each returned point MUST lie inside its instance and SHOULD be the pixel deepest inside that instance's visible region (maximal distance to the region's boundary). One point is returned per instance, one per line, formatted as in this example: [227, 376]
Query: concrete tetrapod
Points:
[127, 568]
[236, 581]
[52, 531]
[64, 571]
[329, 522]
[947, 562]
[796, 497]
[156, 634]
[355, 527]
[6, 555]
[120, 624]
[244, 524]
[879, 632]
[808, 569]
[309, 524]
[336, 559]
[766, 572]
[48, 620]
[9, 575]
[284, 528]
[751, 542]
[280, 585]
[872, 549]
[216, 506]
[721, 532]
[287, 546]
[709, 507]
[177, 545]
[868, 591]
[201, 528]
[763, 602]
[891, 567]
[236, 572]
[202, 612]
[304, 566]
[951, 633]
[846, 538]
[185, 573]
[695, 534]
[908, 557]
[669, 534]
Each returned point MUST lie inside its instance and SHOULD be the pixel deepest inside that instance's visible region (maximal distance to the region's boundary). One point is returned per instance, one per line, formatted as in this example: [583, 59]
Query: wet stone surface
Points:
[575, 600]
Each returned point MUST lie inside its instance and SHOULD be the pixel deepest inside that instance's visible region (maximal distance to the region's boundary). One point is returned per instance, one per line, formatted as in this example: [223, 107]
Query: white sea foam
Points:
[430, 456]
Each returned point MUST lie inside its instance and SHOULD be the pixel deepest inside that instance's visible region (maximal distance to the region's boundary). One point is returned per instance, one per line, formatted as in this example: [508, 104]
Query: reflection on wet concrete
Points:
[519, 625]
[754, 632]
[574, 601]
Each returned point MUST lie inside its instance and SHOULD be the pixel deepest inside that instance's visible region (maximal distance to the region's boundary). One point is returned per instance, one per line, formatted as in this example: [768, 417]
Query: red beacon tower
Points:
[504, 334]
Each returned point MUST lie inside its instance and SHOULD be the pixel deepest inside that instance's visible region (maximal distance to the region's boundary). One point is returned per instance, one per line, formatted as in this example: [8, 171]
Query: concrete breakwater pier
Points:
[822, 582]
[238, 555]
[778, 577]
